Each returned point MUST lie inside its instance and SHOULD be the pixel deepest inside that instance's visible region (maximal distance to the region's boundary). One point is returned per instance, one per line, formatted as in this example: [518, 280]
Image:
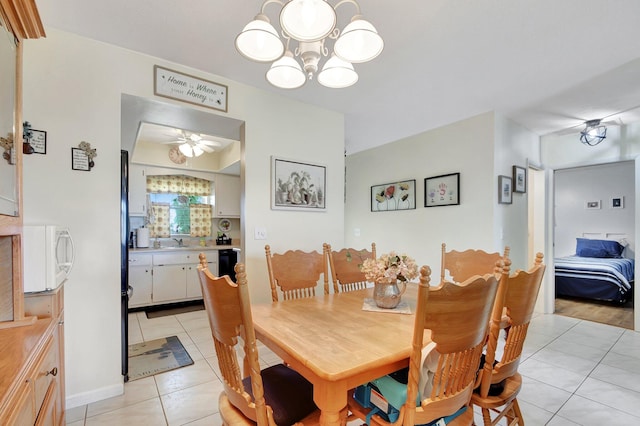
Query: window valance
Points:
[178, 184]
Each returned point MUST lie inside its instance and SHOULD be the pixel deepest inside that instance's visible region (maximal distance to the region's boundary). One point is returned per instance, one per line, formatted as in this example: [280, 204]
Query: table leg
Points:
[331, 398]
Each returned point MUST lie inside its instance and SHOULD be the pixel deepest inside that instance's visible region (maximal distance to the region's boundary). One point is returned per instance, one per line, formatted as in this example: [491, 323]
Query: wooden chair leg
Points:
[518, 413]
[486, 416]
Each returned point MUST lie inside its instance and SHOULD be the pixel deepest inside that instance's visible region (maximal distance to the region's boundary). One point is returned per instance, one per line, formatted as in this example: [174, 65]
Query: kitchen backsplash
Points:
[136, 222]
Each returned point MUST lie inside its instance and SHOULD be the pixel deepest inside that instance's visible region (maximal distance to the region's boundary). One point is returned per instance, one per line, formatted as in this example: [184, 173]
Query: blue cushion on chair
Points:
[288, 393]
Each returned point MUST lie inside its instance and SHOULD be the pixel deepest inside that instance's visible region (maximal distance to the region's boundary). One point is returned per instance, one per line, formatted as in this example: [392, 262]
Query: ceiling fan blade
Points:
[206, 148]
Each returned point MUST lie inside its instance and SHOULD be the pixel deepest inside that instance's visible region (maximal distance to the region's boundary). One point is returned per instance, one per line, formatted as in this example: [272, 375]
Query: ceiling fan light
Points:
[308, 20]
[286, 73]
[359, 42]
[185, 148]
[259, 41]
[337, 74]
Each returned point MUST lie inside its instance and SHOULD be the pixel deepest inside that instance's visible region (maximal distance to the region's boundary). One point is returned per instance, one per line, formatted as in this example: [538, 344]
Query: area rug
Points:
[174, 310]
[157, 356]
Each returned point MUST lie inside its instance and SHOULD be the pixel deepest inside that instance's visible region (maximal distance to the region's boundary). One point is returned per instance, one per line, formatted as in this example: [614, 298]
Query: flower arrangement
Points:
[390, 267]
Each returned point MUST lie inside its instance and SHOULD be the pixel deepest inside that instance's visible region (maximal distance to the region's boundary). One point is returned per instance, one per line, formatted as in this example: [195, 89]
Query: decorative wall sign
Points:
[592, 205]
[187, 88]
[442, 190]
[519, 179]
[504, 190]
[298, 186]
[38, 141]
[394, 196]
[79, 160]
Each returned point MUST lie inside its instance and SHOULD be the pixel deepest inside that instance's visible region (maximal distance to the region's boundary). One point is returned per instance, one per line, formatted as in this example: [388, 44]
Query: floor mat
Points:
[157, 356]
[174, 310]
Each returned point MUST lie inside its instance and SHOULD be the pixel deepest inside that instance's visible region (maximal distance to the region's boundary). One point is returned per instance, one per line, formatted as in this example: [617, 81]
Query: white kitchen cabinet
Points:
[193, 281]
[169, 283]
[137, 190]
[227, 196]
[140, 279]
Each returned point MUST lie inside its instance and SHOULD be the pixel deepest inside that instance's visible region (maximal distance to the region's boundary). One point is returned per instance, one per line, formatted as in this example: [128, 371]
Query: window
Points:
[180, 210]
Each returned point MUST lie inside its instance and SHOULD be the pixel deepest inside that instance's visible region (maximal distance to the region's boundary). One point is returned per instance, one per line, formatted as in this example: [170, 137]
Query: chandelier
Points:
[311, 23]
[593, 133]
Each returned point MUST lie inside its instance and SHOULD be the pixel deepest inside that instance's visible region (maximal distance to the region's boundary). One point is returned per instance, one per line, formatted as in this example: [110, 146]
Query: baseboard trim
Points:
[95, 395]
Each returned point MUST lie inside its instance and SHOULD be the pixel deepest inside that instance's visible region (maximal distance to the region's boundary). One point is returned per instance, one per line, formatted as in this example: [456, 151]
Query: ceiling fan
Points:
[194, 144]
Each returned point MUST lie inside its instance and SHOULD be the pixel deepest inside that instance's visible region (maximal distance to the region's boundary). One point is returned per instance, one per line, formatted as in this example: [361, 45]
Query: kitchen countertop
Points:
[186, 248]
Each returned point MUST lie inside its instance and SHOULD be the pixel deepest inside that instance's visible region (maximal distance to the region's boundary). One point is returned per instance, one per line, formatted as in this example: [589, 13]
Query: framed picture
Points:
[394, 196]
[443, 190]
[617, 202]
[519, 179]
[504, 189]
[79, 160]
[593, 204]
[297, 185]
[38, 141]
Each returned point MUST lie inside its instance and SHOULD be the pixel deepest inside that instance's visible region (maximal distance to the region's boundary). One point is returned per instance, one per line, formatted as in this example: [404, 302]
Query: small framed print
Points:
[442, 190]
[394, 196]
[79, 160]
[592, 205]
[504, 190]
[519, 179]
[38, 141]
[617, 202]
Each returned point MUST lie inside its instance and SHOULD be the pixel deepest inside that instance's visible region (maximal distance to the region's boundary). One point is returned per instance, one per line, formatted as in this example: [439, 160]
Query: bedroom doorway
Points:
[595, 202]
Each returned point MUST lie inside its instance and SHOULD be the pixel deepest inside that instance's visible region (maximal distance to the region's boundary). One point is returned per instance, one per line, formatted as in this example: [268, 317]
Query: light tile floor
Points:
[575, 372]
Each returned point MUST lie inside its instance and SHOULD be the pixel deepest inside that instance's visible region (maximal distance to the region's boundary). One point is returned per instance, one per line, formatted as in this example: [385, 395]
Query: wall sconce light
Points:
[593, 133]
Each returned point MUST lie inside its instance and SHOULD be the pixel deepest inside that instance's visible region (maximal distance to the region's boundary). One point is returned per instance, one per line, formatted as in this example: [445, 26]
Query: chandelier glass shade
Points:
[593, 133]
[312, 23]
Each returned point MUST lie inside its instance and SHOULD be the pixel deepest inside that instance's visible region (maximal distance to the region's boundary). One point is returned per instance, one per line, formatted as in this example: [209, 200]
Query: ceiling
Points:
[549, 65]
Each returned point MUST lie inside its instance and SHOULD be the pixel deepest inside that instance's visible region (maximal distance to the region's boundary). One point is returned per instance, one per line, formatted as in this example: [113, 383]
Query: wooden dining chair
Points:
[296, 273]
[512, 312]
[456, 317]
[462, 265]
[276, 395]
[345, 267]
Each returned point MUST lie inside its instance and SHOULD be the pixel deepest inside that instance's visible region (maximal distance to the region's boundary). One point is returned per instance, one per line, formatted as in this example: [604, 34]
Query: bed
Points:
[597, 271]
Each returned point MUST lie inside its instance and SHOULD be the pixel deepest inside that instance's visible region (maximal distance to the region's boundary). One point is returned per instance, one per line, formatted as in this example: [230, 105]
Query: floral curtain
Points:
[160, 226]
[200, 217]
[178, 184]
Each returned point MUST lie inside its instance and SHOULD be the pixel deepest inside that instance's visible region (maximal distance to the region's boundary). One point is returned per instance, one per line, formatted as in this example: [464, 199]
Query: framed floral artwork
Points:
[297, 185]
[394, 196]
[519, 179]
[505, 190]
[443, 190]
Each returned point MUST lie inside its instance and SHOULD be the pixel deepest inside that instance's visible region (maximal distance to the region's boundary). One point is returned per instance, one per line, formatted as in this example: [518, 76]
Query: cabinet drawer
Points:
[46, 371]
[175, 258]
[137, 259]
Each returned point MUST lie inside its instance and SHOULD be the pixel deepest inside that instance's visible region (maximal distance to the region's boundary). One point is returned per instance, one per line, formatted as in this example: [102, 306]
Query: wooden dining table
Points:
[335, 344]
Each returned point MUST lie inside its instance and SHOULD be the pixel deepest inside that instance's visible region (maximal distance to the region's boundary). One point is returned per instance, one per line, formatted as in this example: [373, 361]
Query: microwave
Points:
[48, 257]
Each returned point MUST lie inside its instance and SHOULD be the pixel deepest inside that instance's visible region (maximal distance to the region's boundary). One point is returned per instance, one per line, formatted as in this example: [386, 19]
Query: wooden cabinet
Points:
[137, 190]
[227, 193]
[140, 279]
[32, 383]
[193, 280]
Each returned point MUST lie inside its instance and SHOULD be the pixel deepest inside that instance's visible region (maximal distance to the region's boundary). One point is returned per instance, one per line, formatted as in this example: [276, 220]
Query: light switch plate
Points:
[260, 233]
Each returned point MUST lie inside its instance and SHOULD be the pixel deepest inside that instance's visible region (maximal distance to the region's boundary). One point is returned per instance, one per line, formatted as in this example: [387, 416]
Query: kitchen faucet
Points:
[179, 241]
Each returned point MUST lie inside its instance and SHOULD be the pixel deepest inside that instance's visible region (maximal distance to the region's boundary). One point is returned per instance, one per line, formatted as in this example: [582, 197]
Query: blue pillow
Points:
[598, 248]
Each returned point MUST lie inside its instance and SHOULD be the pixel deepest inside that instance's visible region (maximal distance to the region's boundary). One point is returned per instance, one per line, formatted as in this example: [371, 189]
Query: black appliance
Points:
[227, 259]
[124, 261]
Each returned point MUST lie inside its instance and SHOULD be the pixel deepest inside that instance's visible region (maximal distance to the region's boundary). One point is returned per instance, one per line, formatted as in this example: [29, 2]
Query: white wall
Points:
[575, 186]
[469, 147]
[72, 89]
